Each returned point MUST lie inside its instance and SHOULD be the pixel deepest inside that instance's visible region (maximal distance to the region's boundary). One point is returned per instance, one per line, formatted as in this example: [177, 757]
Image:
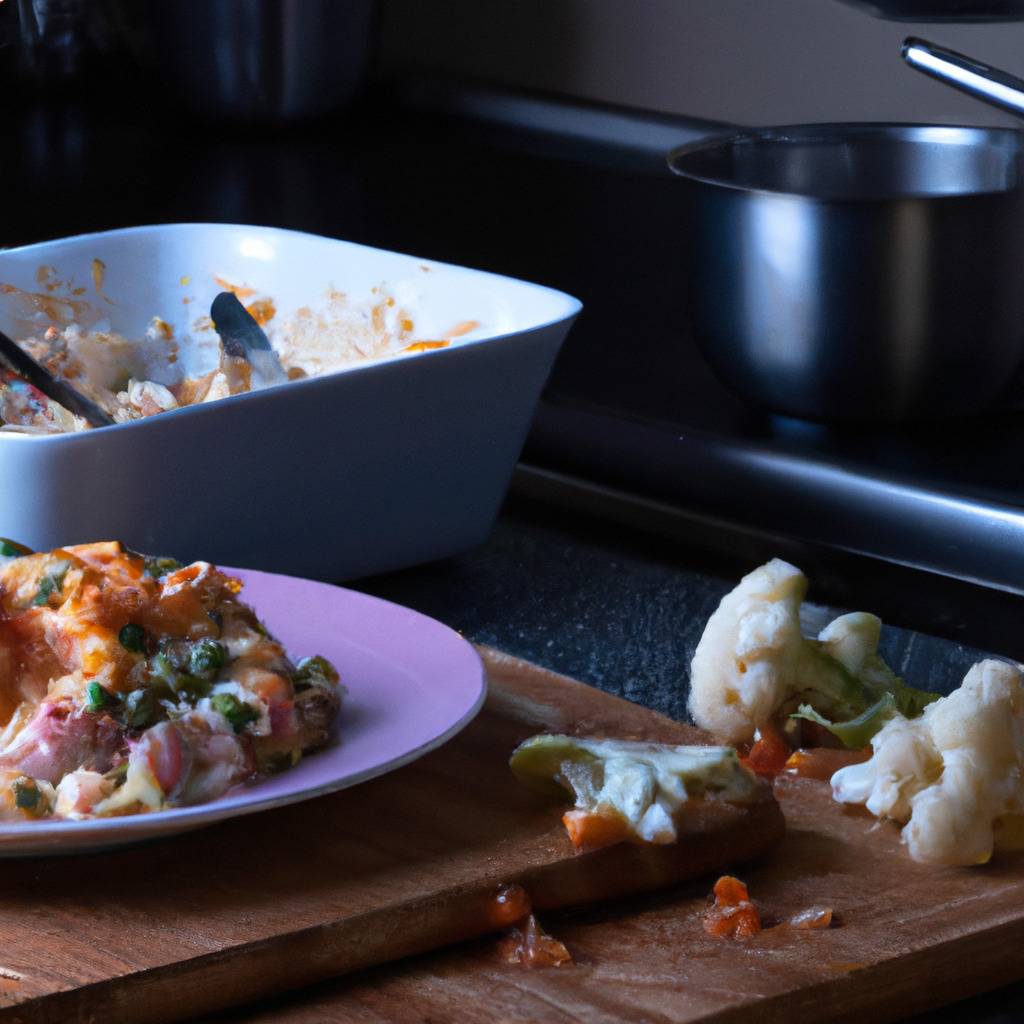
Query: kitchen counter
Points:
[622, 609]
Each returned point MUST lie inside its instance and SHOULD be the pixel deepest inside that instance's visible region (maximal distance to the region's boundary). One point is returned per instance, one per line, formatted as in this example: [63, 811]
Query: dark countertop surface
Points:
[618, 609]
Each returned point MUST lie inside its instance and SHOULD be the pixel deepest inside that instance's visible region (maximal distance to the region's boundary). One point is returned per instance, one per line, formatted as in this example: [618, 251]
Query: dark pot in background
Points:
[251, 60]
[942, 10]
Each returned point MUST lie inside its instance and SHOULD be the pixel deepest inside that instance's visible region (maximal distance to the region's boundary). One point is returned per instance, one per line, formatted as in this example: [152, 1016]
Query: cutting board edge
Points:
[441, 918]
[892, 996]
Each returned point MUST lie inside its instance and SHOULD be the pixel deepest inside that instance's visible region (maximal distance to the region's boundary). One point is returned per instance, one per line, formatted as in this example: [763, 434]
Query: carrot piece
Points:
[511, 904]
[769, 753]
[730, 891]
[732, 915]
[591, 830]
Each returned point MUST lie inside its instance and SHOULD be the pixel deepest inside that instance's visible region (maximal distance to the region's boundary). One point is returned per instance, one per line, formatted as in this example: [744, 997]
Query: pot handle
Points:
[983, 82]
[623, 135]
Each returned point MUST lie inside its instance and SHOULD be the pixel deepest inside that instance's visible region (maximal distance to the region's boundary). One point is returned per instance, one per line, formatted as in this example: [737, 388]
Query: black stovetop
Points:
[585, 205]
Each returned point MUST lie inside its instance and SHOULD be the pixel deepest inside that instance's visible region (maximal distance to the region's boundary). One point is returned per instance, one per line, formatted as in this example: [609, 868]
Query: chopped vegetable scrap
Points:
[953, 776]
[528, 944]
[130, 684]
[626, 790]
[525, 942]
[949, 770]
[769, 753]
[510, 905]
[732, 914]
[753, 666]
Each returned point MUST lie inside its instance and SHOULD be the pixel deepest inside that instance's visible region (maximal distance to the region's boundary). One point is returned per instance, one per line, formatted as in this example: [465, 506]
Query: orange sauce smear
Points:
[240, 291]
[262, 311]
[425, 346]
[57, 308]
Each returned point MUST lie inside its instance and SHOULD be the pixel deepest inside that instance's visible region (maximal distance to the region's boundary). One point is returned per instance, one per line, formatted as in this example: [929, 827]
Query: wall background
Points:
[744, 61]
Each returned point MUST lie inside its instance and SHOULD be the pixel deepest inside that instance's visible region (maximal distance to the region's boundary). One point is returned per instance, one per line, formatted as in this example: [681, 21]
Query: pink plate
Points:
[412, 684]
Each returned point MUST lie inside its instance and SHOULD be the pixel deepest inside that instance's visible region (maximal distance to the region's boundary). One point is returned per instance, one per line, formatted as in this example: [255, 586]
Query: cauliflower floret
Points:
[952, 775]
[753, 658]
[750, 649]
[753, 664]
[852, 640]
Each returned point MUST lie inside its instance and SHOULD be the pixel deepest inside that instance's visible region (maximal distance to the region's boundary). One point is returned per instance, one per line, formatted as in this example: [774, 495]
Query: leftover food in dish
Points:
[166, 369]
[131, 684]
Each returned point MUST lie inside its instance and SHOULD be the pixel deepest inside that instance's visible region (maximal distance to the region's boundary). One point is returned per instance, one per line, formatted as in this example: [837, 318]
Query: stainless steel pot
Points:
[865, 271]
[251, 60]
[859, 271]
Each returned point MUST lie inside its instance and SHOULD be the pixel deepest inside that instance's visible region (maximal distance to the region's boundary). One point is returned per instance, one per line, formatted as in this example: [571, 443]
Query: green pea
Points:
[206, 658]
[315, 671]
[132, 638]
[192, 688]
[26, 793]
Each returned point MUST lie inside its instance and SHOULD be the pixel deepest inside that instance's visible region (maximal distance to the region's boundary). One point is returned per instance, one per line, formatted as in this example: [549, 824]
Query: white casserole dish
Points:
[374, 467]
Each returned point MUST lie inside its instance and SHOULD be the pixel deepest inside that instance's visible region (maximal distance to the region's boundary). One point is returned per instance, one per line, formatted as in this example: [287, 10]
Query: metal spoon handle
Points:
[966, 74]
[13, 356]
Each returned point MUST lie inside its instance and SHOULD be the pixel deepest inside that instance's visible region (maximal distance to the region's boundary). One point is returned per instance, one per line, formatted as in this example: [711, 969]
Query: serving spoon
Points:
[243, 338]
[18, 361]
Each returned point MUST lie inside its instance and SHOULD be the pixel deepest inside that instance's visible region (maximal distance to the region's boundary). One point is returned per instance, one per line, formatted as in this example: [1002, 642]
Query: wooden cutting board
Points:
[909, 938]
[405, 863]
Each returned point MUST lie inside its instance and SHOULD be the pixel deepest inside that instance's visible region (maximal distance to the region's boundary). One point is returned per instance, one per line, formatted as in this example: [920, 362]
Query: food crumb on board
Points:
[732, 914]
[525, 942]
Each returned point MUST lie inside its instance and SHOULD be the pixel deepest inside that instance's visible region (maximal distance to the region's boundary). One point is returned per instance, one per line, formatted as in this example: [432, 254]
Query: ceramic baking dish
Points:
[384, 464]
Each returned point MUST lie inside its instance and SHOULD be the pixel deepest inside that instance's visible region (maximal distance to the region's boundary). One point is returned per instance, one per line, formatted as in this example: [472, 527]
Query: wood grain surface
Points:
[405, 863]
[908, 938]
